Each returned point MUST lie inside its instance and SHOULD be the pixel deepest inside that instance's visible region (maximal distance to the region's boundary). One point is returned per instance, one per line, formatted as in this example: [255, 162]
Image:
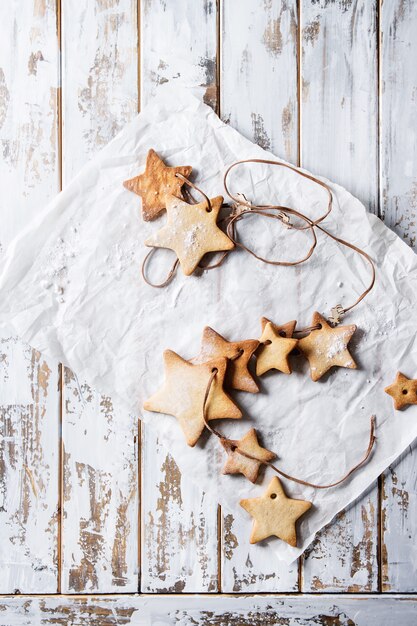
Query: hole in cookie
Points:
[267, 342]
[273, 496]
[214, 370]
[319, 326]
[282, 333]
[405, 392]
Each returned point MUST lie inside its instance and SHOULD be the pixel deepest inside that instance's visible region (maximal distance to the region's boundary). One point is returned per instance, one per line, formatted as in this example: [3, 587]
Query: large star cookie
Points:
[276, 345]
[275, 514]
[239, 463]
[326, 347]
[238, 376]
[183, 392]
[191, 231]
[403, 391]
[157, 182]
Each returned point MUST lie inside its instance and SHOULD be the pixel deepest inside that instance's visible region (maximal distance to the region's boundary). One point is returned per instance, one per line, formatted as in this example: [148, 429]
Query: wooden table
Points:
[90, 503]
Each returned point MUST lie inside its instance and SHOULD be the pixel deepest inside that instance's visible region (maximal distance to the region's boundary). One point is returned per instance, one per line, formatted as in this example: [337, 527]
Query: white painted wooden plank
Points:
[29, 461]
[180, 529]
[179, 533]
[29, 71]
[100, 504]
[99, 76]
[259, 88]
[343, 556]
[339, 94]
[29, 406]
[398, 208]
[259, 72]
[328, 610]
[179, 44]
[100, 528]
[399, 118]
[339, 140]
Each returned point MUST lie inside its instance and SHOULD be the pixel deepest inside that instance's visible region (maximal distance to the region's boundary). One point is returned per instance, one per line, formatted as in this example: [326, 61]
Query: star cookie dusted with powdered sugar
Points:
[403, 391]
[238, 463]
[183, 392]
[276, 345]
[326, 347]
[238, 376]
[155, 185]
[275, 514]
[191, 231]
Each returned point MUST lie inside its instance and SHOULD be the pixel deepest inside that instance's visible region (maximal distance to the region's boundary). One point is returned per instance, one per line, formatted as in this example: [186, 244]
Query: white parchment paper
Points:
[70, 285]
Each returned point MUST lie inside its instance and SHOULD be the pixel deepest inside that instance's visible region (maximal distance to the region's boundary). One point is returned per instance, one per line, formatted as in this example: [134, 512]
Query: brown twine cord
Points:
[263, 210]
[171, 272]
[268, 211]
[232, 444]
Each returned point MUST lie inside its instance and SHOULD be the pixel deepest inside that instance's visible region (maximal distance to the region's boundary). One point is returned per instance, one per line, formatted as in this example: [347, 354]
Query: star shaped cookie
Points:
[191, 231]
[275, 514]
[156, 183]
[326, 347]
[403, 391]
[183, 392]
[275, 347]
[238, 376]
[239, 464]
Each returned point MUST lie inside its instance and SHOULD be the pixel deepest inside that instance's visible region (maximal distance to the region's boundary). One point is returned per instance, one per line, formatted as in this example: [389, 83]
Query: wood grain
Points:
[179, 45]
[100, 521]
[180, 527]
[174, 610]
[29, 461]
[259, 84]
[179, 530]
[398, 209]
[29, 400]
[100, 505]
[99, 76]
[259, 88]
[339, 108]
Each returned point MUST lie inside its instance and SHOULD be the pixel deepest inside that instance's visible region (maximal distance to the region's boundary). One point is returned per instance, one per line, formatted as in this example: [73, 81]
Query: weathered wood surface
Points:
[339, 105]
[180, 531]
[179, 527]
[317, 83]
[174, 610]
[398, 208]
[100, 529]
[29, 400]
[100, 497]
[263, 105]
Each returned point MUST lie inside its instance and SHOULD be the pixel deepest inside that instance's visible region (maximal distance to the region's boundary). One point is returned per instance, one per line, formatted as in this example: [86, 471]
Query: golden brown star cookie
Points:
[157, 182]
[326, 347]
[275, 347]
[183, 392]
[285, 330]
[240, 464]
[191, 231]
[403, 391]
[214, 345]
[275, 514]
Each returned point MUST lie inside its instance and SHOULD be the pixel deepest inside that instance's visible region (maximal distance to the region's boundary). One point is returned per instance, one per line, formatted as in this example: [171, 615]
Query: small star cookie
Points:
[275, 347]
[275, 514]
[403, 391]
[183, 392]
[238, 376]
[191, 231]
[240, 464]
[326, 347]
[156, 183]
